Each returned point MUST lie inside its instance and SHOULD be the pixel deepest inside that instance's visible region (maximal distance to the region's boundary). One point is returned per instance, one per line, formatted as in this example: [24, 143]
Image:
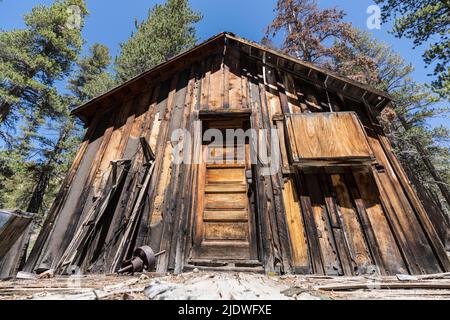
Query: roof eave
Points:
[382, 96]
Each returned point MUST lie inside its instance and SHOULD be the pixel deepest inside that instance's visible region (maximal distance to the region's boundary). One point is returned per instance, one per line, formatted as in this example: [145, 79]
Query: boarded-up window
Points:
[327, 138]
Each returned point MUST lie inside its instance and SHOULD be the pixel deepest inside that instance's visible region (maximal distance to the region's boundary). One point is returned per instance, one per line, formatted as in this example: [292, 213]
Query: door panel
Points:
[231, 215]
[226, 200]
[224, 228]
[226, 231]
[225, 174]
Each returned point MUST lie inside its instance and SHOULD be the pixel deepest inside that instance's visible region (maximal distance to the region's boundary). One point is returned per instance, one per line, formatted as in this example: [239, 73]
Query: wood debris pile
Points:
[226, 285]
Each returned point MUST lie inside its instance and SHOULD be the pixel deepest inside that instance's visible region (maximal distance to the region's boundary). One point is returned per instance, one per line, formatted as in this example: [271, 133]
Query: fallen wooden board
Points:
[386, 285]
[220, 285]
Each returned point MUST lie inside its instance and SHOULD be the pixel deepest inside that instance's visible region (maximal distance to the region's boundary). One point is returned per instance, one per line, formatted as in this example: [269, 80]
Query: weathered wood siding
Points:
[337, 221]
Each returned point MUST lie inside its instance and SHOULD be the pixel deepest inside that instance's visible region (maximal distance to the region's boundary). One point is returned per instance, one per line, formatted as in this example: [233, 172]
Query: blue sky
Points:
[112, 21]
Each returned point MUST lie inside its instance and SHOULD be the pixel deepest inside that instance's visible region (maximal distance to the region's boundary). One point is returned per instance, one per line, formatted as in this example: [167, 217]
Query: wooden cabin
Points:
[335, 202]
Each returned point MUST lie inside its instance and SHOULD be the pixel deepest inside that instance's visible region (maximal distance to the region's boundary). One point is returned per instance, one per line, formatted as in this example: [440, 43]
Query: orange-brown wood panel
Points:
[325, 136]
[216, 84]
[224, 201]
[205, 82]
[245, 85]
[164, 147]
[226, 231]
[234, 81]
[299, 244]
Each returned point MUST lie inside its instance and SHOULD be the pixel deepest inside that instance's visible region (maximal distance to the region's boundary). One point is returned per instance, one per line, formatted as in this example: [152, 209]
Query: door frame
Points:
[254, 237]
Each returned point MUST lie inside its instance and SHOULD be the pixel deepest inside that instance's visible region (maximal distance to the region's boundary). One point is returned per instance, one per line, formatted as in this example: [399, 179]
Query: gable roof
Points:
[330, 80]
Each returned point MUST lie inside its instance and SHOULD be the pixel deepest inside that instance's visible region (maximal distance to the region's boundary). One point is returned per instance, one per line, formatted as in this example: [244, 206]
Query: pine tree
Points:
[92, 78]
[426, 22]
[33, 58]
[167, 31]
[55, 157]
[31, 61]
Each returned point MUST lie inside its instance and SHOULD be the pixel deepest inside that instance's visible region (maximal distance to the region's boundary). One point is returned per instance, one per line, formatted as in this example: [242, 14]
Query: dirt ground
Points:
[201, 285]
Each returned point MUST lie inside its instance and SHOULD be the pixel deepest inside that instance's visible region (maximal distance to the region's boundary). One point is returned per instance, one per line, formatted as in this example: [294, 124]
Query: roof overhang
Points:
[306, 71]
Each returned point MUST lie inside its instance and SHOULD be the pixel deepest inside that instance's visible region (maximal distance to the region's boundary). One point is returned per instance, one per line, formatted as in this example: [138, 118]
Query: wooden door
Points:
[225, 223]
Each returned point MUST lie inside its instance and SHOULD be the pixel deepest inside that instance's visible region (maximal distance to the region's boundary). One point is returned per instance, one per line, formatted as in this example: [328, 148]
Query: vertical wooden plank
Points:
[342, 247]
[163, 112]
[216, 92]
[327, 243]
[275, 177]
[272, 95]
[283, 146]
[282, 92]
[185, 204]
[299, 245]
[205, 82]
[234, 93]
[291, 94]
[196, 133]
[172, 190]
[270, 243]
[354, 235]
[244, 83]
[382, 234]
[292, 138]
[154, 115]
[164, 157]
[365, 222]
[198, 219]
[310, 226]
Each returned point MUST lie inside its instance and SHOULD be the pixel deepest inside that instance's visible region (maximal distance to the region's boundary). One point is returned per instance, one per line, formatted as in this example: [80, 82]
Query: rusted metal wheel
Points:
[143, 259]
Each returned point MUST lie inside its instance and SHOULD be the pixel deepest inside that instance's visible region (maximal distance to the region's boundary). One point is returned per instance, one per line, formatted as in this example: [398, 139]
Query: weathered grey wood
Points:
[15, 232]
[12, 226]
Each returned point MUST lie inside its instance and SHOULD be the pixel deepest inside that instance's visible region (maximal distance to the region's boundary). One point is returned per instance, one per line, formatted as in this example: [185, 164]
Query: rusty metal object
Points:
[143, 259]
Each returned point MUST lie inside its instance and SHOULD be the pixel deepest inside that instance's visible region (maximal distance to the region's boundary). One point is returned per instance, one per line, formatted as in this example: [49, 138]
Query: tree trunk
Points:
[426, 160]
[5, 109]
[37, 198]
